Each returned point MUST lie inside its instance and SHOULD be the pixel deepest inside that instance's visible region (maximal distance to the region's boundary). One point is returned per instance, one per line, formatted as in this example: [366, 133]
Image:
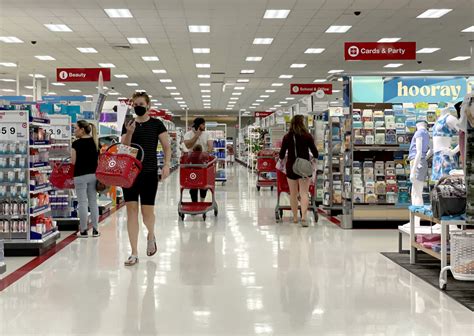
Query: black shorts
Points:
[145, 188]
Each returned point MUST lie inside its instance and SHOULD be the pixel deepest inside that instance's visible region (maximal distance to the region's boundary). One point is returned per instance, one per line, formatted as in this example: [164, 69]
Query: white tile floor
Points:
[240, 274]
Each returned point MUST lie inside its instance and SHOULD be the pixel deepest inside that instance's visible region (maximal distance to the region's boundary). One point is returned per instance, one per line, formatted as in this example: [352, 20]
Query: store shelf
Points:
[12, 184]
[40, 189]
[39, 144]
[35, 121]
[13, 216]
[39, 165]
[432, 253]
[33, 247]
[381, 148]
[35, 212]
[13, 155]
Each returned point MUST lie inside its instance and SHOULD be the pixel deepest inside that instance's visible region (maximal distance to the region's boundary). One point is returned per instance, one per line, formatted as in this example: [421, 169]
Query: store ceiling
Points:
[234, 24]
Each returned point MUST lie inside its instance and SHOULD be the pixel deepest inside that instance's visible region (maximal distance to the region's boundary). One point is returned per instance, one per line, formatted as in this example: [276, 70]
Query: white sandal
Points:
[132, 260]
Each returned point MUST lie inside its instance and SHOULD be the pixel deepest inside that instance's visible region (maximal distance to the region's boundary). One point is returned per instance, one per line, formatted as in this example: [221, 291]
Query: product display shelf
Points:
[3, 266]
[26, 224]
[218, 133]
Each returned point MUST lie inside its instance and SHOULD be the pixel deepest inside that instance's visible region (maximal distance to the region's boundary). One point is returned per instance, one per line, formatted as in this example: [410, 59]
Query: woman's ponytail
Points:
[93, 132]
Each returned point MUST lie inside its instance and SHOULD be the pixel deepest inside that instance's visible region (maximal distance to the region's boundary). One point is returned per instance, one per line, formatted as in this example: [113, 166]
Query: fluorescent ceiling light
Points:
[248, 71]
[154, 100]
[234, 98]
[8, 64]
[336, 91]
[204, 76]
[239, 88]
[206, 100]
[120, 76]
[225, 115]
[255, 104]
[51, 93]
[75, 90]
[270, 91]
[207, 107]
[203, 65]
[28, 96]
[45, 58]
[37, 75]
[286, 76]
[277, 105]
[58, 84]
[290, 98]
[113, 93]
[166, 80]
[298, 65]
[175, 94]
[150, 58]
[171, 88]
[118, 13]
[199, 29]
[90, 96]
[8, 90]
[10, 39]
[277, 84]
[254, 59]
[140, 90]
[58, 28]
[264, 96]
[236, 93]
[205, 91]
[468, 30]
[201, 50]
[206, 96]
[7, 80]
[106, 65]
[29, 87]
[389, 39]
[434, 13]
[87, 50]
[263, 40]
[283, 102]
[335, 71]
[460, 58]
[178, 98]
[132, 84]
[338, 29]
[319, 81]
[137, 40]
[427, 50]
[252, 107]
[204, 84]
[314, 50]
[427, 70]
[393, 65]
[276, 13]
[243, 80]
[260, 100]
[159, 71]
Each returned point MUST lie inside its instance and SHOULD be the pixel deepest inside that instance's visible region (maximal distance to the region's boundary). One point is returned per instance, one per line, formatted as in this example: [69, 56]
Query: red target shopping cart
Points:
[197, 176]
[283, 187]
[266, 169]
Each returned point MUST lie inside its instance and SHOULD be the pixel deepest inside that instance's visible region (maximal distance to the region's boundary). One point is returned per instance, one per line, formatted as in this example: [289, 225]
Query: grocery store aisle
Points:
[240, 274]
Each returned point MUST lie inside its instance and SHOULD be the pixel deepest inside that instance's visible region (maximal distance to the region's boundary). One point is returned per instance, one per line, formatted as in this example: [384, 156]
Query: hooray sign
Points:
[307, 89]
[82, 74]
[374, 51]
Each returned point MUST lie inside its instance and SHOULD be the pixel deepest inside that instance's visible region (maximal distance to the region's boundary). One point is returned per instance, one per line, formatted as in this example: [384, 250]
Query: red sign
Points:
[156, 113]
[82, 74]
[307, 89]
[373, 51]
[262, 114]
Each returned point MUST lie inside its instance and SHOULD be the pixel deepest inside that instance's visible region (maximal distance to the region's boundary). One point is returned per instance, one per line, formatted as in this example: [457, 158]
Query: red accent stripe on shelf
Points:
[332, 219]
[25, 269]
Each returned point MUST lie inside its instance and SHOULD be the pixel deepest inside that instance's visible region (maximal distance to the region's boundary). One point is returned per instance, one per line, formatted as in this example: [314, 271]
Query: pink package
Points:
[422, 238]
[429, 245]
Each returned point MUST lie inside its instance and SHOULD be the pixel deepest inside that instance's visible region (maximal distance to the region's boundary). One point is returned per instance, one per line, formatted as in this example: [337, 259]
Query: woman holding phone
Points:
[145, 132]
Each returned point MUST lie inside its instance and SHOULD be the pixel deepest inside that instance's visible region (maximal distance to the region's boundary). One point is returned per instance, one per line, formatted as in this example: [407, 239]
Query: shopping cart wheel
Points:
[216, 212]
[204, 216]
[271, 188]
[258, 188]
[277, 216]
[181, 215]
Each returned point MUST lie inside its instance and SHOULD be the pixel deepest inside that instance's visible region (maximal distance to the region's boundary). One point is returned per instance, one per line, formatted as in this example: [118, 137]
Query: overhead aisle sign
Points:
[82, 74]
[374, 51]
[307, 89]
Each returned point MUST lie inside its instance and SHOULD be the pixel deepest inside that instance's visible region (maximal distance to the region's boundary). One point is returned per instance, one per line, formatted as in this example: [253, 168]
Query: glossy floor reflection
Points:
[239, 274]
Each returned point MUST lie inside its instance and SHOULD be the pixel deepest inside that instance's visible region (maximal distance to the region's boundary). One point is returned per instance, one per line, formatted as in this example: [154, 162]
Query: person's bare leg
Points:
[304, 196]
[132, 226]
[148, 213]
[293, 184]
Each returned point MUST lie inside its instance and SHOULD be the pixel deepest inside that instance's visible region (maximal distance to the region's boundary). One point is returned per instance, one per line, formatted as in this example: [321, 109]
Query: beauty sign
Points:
[82, 74]
[374, 51]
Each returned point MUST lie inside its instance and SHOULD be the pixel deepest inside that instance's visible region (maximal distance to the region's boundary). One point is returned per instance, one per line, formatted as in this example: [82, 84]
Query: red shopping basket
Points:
[62, 176]
[119, 170]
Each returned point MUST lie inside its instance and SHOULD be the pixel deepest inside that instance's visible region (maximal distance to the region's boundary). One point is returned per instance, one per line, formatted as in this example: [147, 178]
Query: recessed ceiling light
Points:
[201, 50]
[74, 90]
[298, 65]
[248, 71]
[204, 84]
[28, 96]
[137, 40]
[8, 64]
[336, 91]
[29, 87]
[154, 100]
[252, 107]
[159, 71]
[132, 84]
[8, 90]
[10, 39]
[434, 13]
[58, 84]
[314, 50]
[203, 65]
[37, 75]
[239, 88]
[427, 50]
[120, 76]
[206, 100]
[171, 88]
[234, 98]
[335, 71]
[7, 80]
[205, 91]
[113, 93]
[166, 80]
[199, 29]
[290, 98]
[118, 13]
[140, 90]
[106, 65]
[90, 96]
[51, 93]
[468, 30]
[276, 13]
[260, 100]
[150, 58]
[263, 40]
[283, 102]
[236, 93]
[243, 80]
[207, 107]
[206, 96]
[270, 91]
[225, 115]
[338, 29]
[272, 108]
[204, 76]
[87, 50]
[58, 28]
[285, 76]
[460, 58]
[277, 105]
[178, 98]
[427, 70]
[255, 104]
[264, 96]
[277, 84]
[319, 81]
[175, 94]
[389, 39]
[393, 65]
[254, 59]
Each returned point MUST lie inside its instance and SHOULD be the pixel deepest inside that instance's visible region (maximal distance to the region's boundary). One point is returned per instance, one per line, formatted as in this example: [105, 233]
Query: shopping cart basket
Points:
[283, 187]
[462, 259]
[266, 169]
[197, 176]
[119, 170]
[62, 176]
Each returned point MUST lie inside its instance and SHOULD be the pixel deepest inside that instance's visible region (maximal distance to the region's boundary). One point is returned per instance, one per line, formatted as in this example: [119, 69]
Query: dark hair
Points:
[197, 148]
[89, 129]
[141, 94]
[198, 122]
[297, 125]
[457, 106]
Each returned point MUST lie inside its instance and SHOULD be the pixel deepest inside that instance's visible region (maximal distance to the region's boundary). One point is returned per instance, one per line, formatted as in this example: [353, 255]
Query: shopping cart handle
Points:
[198, 165]
[131, 145]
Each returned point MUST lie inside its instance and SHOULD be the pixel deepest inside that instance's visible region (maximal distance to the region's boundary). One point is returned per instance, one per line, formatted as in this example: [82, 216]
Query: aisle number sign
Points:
[375, 51]
[82, 74]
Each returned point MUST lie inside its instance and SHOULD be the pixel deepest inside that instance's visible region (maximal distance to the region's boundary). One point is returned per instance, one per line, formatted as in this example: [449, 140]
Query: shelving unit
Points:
[218, 133]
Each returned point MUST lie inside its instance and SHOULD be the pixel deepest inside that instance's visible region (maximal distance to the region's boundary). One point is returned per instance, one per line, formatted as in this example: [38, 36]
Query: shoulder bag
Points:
[302, 167]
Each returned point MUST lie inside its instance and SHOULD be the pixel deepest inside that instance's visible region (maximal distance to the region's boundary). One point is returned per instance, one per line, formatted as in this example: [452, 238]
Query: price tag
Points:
[13, 131]
[62, 132]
